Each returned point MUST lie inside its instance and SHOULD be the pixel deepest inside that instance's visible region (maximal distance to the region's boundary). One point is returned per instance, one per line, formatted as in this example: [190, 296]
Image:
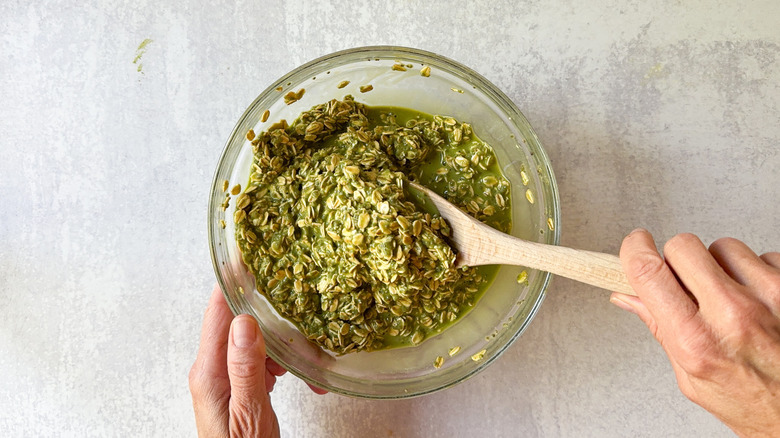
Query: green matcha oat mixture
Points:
[336, 241]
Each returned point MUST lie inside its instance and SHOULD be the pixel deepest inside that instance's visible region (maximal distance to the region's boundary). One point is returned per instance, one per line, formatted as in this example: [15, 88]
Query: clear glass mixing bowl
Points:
[506, 308]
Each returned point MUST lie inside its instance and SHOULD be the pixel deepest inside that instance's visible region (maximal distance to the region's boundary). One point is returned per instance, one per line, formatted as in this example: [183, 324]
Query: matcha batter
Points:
[337, 243]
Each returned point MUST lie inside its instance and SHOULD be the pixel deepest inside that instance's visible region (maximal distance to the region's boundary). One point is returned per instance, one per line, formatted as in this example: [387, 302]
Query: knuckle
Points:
[645, 267]
[770, 279]
[733, 309]
[771, 258]
[680, 241]
[738, 318]
[723, 244]
[245, 368]
[773, 294]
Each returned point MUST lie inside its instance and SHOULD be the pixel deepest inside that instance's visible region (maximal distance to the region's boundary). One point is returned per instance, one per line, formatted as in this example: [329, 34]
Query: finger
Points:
[274, 368]
[698, 271]
[655, 284]
[250, 406]
[772, 259]
[208, 378]
[634, 305]
[246, 359]
[631, 304]
[210, 364]
[739, 261]
[270, 381]
[316, 390]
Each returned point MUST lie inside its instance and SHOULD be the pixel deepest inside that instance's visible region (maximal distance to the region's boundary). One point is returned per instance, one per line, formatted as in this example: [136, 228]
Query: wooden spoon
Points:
[478, 244]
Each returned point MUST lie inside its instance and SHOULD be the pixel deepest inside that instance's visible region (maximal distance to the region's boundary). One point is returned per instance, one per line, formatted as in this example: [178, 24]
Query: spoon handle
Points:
[593, 268]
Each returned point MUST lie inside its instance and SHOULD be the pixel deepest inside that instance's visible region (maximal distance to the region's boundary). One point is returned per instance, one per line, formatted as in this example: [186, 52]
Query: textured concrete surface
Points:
[662, 114]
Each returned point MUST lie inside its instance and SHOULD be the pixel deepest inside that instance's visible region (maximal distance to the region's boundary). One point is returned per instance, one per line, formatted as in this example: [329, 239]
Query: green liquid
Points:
[425, 174]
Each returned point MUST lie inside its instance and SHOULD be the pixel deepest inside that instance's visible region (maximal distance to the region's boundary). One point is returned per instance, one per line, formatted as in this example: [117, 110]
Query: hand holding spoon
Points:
[479, 244]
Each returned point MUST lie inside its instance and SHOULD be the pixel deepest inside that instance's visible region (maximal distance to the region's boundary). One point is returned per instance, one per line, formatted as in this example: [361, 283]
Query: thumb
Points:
[250, 406]
[634, 305]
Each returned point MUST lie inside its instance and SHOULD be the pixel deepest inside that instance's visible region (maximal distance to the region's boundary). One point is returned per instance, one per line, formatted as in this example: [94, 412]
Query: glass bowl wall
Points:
[505, 309]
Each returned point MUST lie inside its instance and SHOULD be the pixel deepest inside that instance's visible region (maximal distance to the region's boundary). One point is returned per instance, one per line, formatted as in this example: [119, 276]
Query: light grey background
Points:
[662, 114]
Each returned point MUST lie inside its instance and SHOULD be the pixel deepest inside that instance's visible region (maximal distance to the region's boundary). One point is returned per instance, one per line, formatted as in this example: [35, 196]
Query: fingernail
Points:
[244, 331]
[637, 230]
[622, 304]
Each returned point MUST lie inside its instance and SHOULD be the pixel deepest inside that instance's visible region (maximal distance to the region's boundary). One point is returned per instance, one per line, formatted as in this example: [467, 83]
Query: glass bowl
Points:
[506, 308]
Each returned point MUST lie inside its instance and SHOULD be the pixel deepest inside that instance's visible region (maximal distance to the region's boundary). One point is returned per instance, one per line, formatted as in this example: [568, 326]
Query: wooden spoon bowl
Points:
[478, 244]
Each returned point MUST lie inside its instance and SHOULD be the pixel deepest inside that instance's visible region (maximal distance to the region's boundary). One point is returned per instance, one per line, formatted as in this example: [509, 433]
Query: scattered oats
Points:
[550, 224]
[453, 351]
[292, 97]
[366, 88]
[235, 190]
[524, 177]
[343, 84]
[457, 90]
[438, 362]
[522, 277]
[398, 67]
[225, 185]
[529, 195]
[426, 71]
[279, 89]
[264, 117]
[478, 357]
[222, 223]
[250, 135]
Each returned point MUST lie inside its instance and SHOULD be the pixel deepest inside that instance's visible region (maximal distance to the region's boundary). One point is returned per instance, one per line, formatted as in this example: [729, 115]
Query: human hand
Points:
[231, 378]
[716, 313]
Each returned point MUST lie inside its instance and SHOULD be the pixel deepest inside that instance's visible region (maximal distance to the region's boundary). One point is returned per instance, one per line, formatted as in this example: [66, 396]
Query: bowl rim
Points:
[487, 87]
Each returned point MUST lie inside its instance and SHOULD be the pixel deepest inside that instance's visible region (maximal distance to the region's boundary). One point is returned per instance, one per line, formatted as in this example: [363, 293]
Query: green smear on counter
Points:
[139, 52]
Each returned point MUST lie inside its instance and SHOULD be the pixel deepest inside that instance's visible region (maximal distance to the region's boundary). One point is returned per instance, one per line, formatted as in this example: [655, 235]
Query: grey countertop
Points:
[662, 114]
